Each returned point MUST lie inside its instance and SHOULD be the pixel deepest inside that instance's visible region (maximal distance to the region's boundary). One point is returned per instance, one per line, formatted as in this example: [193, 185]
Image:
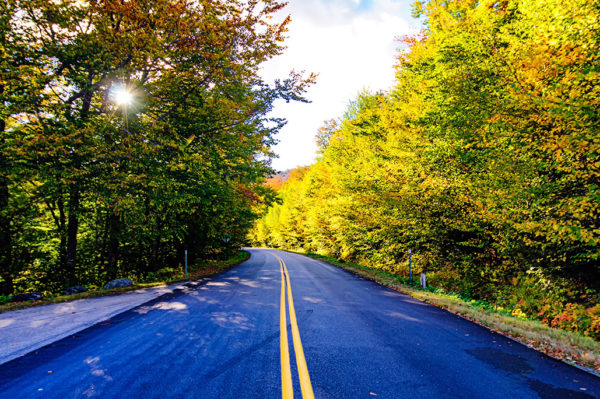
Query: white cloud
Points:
[351, 45]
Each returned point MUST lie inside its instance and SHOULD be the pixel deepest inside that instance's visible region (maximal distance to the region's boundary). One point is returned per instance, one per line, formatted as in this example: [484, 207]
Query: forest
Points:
[132, 131]
[483, 159]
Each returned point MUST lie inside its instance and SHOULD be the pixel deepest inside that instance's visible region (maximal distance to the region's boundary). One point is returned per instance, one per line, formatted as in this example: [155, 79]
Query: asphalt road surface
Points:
[343, 337]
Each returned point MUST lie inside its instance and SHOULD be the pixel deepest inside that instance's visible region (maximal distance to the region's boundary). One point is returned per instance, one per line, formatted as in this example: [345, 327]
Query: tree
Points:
[482, 158]
[184, 149]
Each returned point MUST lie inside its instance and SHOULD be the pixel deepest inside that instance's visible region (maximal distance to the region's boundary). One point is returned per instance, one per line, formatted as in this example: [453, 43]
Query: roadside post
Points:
[185, 263]
[409, 266]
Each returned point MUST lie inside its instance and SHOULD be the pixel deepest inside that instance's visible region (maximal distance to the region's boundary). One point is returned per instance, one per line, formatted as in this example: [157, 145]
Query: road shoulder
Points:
[26, 330]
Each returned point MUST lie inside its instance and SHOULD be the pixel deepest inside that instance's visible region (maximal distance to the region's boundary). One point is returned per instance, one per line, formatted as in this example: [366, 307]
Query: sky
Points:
[352, 45]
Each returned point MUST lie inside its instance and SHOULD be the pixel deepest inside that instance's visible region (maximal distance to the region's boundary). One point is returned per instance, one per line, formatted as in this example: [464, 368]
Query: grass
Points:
[196, 271]
[569, 347]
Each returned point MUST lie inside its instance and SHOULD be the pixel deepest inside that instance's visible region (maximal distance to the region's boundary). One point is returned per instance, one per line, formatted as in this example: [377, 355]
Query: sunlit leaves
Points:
[484, 158]
[143, 126]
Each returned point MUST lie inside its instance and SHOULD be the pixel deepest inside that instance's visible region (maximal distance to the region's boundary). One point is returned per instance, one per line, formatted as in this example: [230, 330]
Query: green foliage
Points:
[92, 189]
[166, 273]
[5, 299]
[483, 159]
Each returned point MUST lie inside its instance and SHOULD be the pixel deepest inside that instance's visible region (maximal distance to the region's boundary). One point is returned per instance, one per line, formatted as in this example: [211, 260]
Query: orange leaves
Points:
[182, 162]
[485, 154]
[249, 194]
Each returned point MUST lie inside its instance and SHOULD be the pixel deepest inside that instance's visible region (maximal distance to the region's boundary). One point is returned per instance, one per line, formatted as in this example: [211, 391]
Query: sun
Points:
[121, 95]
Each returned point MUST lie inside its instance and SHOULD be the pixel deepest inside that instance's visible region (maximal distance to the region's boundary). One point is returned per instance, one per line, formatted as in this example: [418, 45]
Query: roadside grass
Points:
[569, 347]
[195, 271]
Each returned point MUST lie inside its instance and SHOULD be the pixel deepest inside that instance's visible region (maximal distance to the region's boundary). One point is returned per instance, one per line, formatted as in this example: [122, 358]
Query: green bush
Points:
[166, 273]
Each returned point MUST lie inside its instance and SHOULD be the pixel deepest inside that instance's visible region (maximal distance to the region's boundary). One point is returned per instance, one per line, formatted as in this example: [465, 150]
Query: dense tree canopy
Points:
[131, 130]
[484, 159]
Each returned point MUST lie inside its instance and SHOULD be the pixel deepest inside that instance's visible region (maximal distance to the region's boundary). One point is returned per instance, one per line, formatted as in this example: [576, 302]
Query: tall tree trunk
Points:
[74, 199]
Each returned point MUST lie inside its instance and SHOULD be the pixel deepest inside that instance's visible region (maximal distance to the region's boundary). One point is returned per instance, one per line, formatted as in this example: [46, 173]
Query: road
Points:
[346, 338]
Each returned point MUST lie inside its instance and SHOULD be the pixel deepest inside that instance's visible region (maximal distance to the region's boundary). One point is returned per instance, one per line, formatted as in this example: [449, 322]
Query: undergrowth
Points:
[196, 271]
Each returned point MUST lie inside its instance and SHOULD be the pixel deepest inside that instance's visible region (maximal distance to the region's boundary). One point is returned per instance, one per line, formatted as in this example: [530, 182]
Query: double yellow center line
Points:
[287, 390]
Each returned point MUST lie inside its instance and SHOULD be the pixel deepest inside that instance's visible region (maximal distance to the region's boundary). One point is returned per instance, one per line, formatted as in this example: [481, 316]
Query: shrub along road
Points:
[348, 337]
